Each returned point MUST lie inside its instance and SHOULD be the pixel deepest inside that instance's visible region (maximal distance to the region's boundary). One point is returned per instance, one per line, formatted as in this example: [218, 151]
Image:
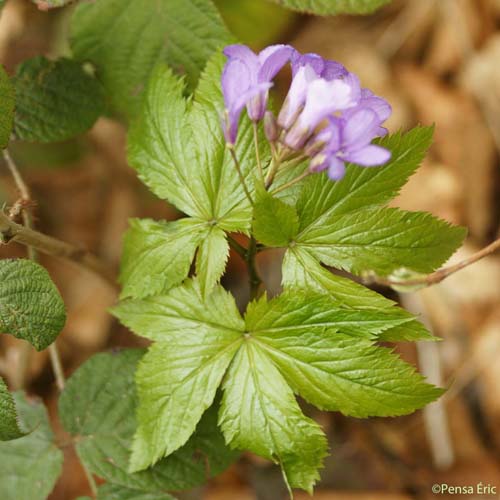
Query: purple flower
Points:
[246, 80]
[348, 139]
[305, 69]
[323, 98]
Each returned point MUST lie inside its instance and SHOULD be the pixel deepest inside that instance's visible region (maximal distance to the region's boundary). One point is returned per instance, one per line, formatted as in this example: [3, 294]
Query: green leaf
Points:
[115, 492]
[125, 39]
[275, 223]
[331, 7]
[178, 149]
[9, 425]
[105, 436]
[55, 100]
[259, 413]
[382, 240]
[183, 314]
[7, 103]
[197, 336]
[296, 311]
[301, 269]
[158, 255]
[30, 465]
[30, 305]
[364, 187]
[335, 372]
[212, 259]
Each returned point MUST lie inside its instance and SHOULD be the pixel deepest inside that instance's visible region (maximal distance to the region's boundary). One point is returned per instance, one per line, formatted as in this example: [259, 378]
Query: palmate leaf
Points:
[158, 255]
[125, 39]
[201, 339]
[98, 405]
[9, 423]
[30, 305]
[301, 269]
[30, 465]
[331, 7]
[344, 224]
[179, 151]
[55, 100]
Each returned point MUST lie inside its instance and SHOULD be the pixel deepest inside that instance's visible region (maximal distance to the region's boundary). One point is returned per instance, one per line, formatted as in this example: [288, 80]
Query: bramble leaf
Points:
[55, 100]
[7, 103]
[275, 223]
[158, 255]
[9, 424]
[178, 149]
[125, 39]
[105, 436]
[331, 7]
[259, 413]
[30, 305]
[30, 465]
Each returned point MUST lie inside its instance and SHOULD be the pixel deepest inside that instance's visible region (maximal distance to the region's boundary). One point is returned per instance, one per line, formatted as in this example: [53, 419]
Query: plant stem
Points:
[257, 154]
[57, 367]
[440, 274]
[90, 479]
[253, 275]
[239, 249]
[240, 174]
[11, 231]
[288, 184]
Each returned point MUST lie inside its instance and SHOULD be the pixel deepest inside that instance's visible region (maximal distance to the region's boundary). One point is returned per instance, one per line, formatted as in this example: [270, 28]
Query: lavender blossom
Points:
[348, 139]
[246, 80]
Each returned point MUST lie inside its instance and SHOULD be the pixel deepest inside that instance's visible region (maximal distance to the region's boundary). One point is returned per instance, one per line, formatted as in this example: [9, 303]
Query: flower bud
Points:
[270, 127]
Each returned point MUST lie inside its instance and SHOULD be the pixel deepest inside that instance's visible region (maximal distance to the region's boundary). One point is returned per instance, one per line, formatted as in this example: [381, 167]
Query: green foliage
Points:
[115, 492]
[105, 436]
[7, 103]
[55, 100]
[158, 255]
[342, 224]
[275, 223]
[382, 240]
[30, 465]
[179, 151]
[9, 424]
[199, 339]
[331, 7]
[30, 305]
[125, 39]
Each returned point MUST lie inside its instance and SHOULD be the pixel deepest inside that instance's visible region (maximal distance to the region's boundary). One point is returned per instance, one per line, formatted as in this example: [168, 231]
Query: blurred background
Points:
[436, 61]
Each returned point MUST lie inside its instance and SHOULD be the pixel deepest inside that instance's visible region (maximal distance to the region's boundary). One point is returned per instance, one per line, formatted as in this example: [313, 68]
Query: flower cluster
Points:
[326, 114]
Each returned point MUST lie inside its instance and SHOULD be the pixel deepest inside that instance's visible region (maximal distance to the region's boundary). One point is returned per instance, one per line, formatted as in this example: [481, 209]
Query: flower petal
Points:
[244, 54]
[333, 70]
[316, 62]
[235, 81]
[272, 59]
[369, 156]
[361, 126]
[336, 169]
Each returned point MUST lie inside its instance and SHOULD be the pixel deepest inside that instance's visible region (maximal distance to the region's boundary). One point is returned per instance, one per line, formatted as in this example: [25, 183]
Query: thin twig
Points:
[57, 367]
[240, 174]
[11, 231]
[436, 276]
[257, 154]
